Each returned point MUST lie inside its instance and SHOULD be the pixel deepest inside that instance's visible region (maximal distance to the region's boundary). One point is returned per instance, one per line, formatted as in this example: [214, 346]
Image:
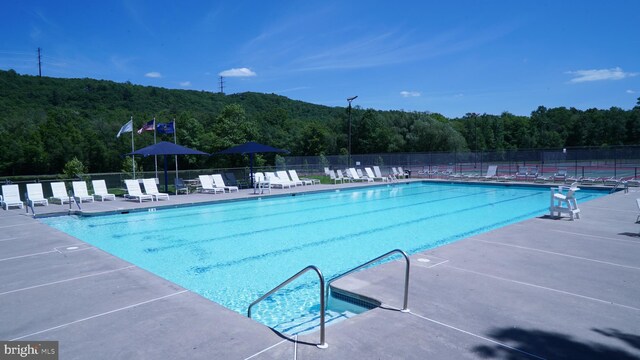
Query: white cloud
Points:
[599, 74]
[410, 93]
[185, 83]
[153, 74]
[241, 72]
[630, 92]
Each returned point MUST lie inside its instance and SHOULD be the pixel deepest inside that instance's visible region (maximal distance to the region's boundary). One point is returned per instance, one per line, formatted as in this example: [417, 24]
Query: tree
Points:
[128, 165]
[74, 169]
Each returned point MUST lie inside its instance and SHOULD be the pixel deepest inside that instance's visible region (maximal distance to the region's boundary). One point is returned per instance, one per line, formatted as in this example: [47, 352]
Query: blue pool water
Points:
[234, 252]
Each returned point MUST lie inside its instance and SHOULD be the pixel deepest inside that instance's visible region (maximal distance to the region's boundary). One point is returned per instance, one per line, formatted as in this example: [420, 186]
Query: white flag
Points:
[128, 127]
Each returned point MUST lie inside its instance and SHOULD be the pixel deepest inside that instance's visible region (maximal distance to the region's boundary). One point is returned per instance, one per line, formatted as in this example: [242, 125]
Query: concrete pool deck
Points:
[543, 288]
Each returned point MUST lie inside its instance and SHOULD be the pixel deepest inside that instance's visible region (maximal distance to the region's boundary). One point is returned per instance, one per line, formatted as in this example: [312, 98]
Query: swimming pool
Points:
[234, 252]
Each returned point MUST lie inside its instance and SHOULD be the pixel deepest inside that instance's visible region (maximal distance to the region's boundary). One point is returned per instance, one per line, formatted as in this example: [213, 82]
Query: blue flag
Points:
[165, 128]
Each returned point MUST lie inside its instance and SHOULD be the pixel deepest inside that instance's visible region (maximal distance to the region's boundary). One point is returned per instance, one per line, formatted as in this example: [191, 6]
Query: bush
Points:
[75, 169]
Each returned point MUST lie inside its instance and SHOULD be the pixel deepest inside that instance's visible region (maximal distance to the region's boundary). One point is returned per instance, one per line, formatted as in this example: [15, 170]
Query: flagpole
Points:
[175, 141]
[154, 142]
[133, 161]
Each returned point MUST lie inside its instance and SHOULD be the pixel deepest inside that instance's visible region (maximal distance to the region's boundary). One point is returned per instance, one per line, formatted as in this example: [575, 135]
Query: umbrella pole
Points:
[251, 167]
[166, 176]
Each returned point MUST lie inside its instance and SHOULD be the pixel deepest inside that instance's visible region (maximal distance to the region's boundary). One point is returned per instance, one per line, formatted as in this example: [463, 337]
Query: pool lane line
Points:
[66, 280]
[543, 287]
[286, 202]
[100, 315]
[340, 217]
[202, 269]
[477, 336]
[557, 253]
[265, 350]
[149, 233]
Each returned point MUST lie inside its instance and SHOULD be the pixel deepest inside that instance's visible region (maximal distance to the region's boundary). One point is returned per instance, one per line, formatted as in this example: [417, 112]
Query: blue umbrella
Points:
[166, 148]
[251, 148]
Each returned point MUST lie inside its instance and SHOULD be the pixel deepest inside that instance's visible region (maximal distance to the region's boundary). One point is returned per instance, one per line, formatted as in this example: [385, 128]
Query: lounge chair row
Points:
[134, 192]
[281, 179]
[35, 196]
[214, 184]
[369, 174]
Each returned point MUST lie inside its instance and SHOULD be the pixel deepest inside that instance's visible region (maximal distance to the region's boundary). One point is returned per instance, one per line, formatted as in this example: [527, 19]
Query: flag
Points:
[148, 126]
[128, 127]
[165, 128]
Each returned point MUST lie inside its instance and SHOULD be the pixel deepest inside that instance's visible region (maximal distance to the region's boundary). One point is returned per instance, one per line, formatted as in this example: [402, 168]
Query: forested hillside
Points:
[45, 122]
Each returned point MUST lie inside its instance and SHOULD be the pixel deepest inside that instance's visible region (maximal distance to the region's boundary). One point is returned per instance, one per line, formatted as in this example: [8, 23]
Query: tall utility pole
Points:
[221, 85]
[350, 100]
[39, 63]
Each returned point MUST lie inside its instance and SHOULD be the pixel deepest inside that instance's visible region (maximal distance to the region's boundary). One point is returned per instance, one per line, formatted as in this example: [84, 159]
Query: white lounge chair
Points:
[638, 202]
[80, 192]
[405, 173]
[150, 188]
[100, 191]
[218, 182]
[341, 177]
[378, 173]
[371, 175]
[35, 195]
[356, 177]
[59, 191]
[560, 175]
[397, 174]
[332, 175]
[284, 176]
[11, 196]
[134, 192]
[276, 181]
[305, 181]
[522, 173]
[206, 185]
[491, 173]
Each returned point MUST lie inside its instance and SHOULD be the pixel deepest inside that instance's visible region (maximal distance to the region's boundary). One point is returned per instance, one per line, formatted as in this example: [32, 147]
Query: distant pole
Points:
[175, 141]
[133, 148]
[221, 84]
[39, 62]
[155, 157]
[350, 100]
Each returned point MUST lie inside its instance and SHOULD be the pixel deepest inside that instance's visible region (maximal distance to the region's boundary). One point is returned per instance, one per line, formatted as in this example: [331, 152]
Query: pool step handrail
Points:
[405, 305]
[322, 344]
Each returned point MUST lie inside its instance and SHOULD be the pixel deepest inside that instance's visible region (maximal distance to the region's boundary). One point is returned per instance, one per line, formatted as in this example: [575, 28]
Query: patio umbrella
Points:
[166, 148]
[251, 148]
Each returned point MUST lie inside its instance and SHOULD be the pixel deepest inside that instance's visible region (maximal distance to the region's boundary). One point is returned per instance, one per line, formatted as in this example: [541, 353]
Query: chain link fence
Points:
[616, 162]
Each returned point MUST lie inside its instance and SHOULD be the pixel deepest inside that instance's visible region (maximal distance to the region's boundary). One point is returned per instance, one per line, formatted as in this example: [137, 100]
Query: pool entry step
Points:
[303, 324]
[340, 306]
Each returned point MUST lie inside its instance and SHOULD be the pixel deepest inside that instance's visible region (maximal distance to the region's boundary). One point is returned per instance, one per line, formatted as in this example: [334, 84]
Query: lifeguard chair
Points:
[563, 200]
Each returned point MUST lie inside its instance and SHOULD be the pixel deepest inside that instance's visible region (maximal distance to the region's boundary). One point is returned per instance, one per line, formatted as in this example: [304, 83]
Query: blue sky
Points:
[450, 57]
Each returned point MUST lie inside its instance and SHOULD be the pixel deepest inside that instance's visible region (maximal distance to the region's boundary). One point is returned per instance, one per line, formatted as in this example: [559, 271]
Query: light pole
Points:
[350, 100]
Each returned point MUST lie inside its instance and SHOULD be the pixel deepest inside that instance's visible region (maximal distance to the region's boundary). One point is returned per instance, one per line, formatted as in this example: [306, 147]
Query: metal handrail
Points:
[406, 274]
[322, 344]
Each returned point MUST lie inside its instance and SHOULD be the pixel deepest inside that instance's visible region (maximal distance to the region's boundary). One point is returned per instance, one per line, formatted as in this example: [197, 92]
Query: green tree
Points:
[75, 169]
[128, 166]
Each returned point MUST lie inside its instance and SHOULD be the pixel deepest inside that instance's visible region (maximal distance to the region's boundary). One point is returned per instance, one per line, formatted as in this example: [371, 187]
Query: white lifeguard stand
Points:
[562, 202]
